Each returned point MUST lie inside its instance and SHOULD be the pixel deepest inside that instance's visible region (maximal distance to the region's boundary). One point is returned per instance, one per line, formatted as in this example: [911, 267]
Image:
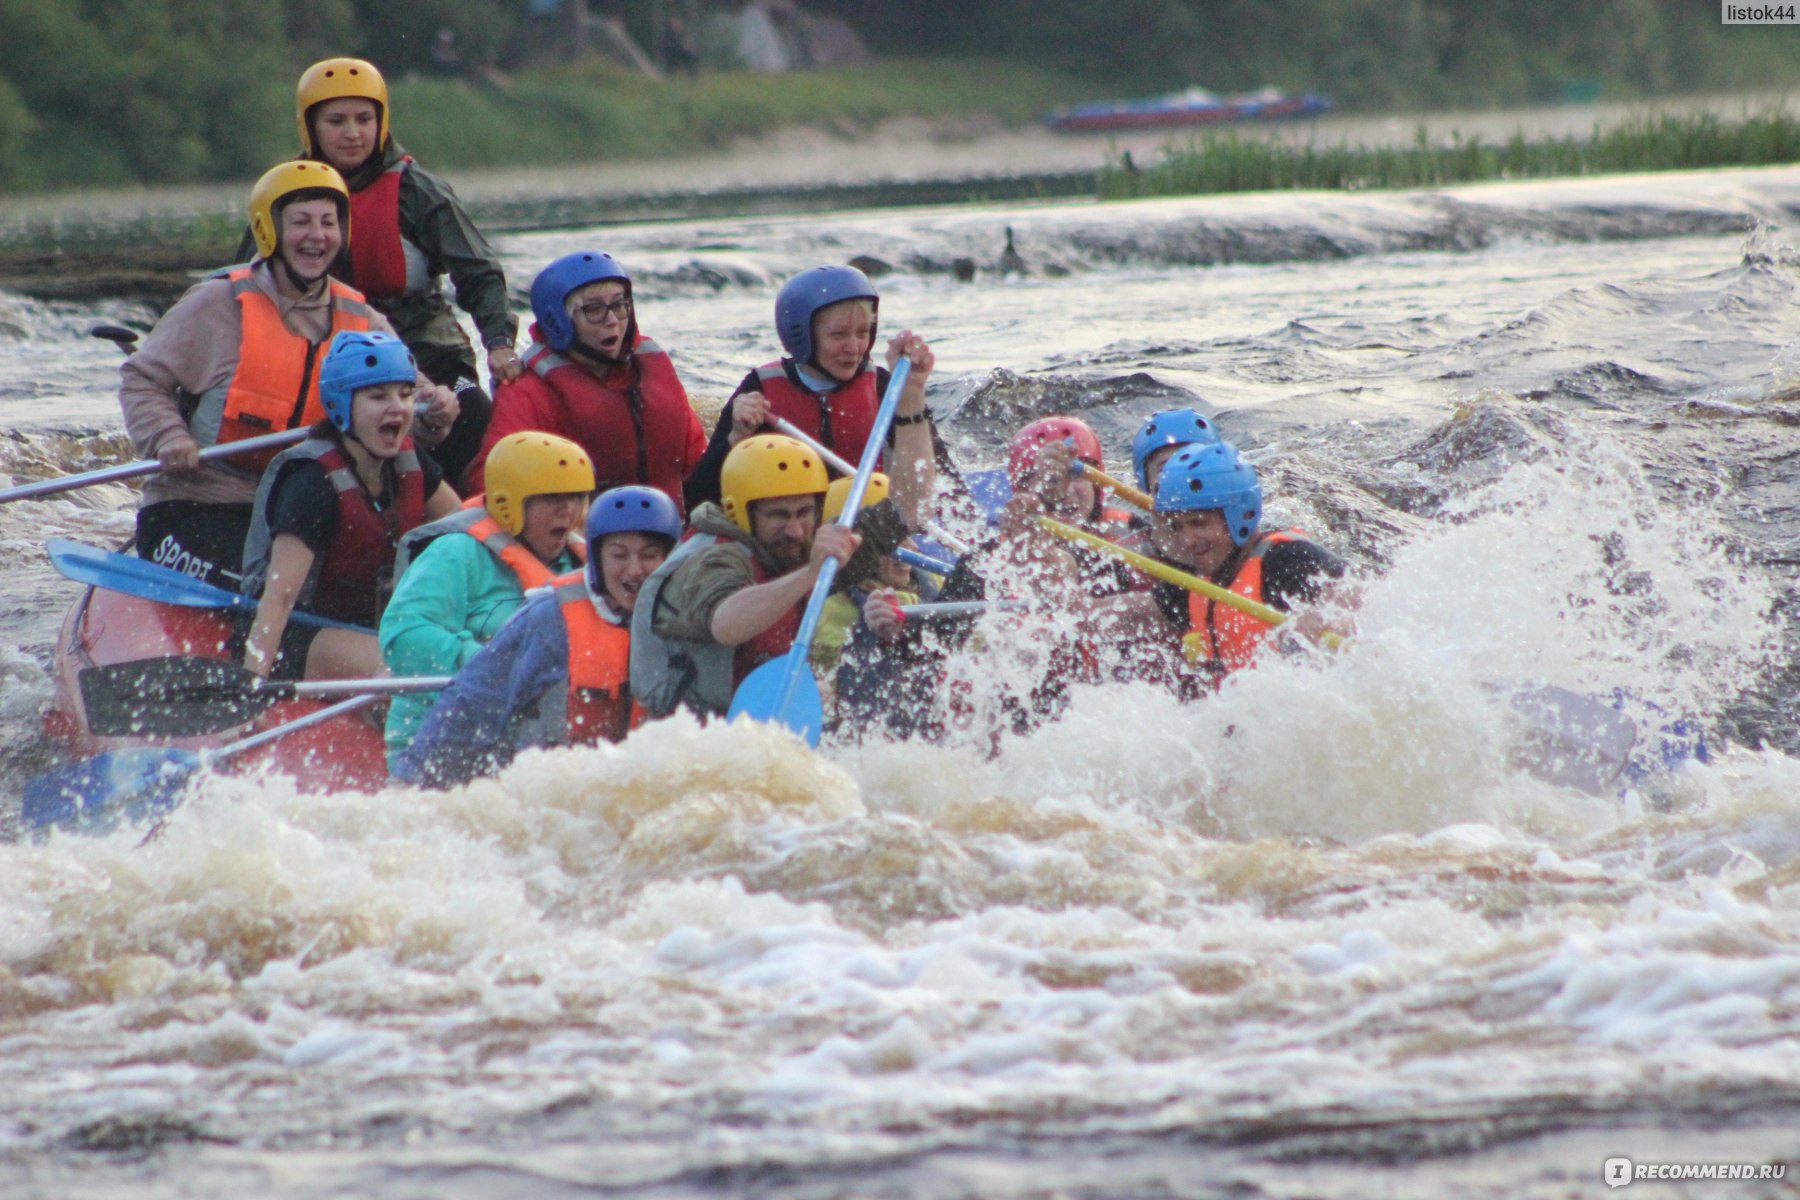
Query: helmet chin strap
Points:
[300, 285]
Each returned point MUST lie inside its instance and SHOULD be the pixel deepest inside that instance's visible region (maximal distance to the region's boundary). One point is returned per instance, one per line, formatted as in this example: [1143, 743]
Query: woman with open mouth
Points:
[330, 514]
[238, 357]
[460, 579]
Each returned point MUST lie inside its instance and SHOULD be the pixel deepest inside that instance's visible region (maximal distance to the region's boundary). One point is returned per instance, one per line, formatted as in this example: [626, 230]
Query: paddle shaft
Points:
[1123, 491]
[859, 485]
[392, 685]
[924, 562]
[835, 461]
[150, 466]
[1181, 579]
[950, 609]
[208, 757]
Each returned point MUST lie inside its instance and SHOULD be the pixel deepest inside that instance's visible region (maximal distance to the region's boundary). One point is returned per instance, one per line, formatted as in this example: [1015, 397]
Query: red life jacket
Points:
[276, 383]
[634, 422]
[1219, 635]
[600, 703]
[839, 420]
[350, 574]
[377, 252]
[772, 642]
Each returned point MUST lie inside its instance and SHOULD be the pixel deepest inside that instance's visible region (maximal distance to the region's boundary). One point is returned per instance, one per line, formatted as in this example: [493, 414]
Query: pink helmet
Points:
[1040, 433]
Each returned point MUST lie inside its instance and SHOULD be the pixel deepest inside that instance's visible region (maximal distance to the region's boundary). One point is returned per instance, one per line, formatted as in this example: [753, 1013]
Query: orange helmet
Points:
[335, 79]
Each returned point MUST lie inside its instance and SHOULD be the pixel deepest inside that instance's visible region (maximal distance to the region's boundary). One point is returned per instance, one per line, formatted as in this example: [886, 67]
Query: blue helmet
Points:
[1202, 478]
[805, 294]
[631, 509]
[550, 291]
[1171, 427]
[360, 360]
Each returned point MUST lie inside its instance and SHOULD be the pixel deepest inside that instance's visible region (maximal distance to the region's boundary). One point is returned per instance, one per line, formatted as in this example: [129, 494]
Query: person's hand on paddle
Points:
[918, 353]
[833, 541]
[749, 410]
[881, 613]
[1333, 617]
[505, 364]
[1048, 476]
[179, 453]
[1019, 519]
[441, 410]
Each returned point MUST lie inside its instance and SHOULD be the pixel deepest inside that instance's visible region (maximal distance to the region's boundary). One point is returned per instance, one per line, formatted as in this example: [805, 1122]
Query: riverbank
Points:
[148, 243]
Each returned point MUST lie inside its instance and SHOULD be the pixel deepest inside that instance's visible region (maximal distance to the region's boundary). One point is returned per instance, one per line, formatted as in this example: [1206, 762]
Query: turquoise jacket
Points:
[452, 600]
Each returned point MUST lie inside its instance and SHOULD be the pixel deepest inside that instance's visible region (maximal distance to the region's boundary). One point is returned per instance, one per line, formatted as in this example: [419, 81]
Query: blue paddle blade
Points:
[139, 577]
[153, 581]
[760, 696]
[92, 796]
[991, 489]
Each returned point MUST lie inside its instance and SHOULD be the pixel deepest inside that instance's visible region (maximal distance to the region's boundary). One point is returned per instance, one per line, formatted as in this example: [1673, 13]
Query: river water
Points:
[1319, 936]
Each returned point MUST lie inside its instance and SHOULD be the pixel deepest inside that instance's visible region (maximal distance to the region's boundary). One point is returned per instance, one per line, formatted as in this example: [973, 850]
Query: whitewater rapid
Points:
[1320, 935]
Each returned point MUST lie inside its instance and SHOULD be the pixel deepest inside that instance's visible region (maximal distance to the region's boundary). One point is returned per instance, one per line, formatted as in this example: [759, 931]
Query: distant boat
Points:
[1195, 106]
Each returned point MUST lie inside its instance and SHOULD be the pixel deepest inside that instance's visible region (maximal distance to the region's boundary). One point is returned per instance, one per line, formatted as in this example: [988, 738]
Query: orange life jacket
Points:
[600, 703]
[276, 384]
[1219, 635]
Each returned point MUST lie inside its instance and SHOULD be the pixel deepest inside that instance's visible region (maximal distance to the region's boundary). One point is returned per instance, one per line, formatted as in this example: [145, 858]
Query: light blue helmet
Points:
[359, 360]
[1202, 478]
[1171, 427]
[631, 509]
[550, 291]
[805, 294]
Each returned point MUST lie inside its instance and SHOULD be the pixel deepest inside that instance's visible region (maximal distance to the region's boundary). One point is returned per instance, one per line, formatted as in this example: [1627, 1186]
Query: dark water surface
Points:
[1348, 949]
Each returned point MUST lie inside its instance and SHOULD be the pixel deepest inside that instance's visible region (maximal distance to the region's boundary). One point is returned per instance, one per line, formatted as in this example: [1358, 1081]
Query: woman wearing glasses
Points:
[591, 377]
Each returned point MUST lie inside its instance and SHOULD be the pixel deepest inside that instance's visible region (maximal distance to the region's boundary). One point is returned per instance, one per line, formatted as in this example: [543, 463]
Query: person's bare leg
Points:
[341, 654]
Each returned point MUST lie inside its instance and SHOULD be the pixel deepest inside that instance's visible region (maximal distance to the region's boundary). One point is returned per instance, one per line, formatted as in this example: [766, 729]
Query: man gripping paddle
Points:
[730, 598]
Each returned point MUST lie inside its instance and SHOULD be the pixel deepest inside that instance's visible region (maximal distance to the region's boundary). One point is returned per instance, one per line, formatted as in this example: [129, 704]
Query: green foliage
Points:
[109, 92]
[1228, 163]
[591, 112]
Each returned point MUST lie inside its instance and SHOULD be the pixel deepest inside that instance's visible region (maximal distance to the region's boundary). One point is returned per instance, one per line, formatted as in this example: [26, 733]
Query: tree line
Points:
[105, 92]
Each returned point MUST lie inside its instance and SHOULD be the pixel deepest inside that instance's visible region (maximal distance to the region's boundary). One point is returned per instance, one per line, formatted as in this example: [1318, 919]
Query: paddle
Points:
[946, 610]
[924, 562]
[125, 339]
[1181, 579]
[150, 466]
[187, 696]
[1123, 491]
[90, 796]
[783, 690]
[153, 581]
[834, 460]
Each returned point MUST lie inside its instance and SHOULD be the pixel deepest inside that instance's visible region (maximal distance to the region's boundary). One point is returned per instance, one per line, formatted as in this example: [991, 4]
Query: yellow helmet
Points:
[334, 79]
[283, 180]
[766, 466]
[523, 465]
[839, 491]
